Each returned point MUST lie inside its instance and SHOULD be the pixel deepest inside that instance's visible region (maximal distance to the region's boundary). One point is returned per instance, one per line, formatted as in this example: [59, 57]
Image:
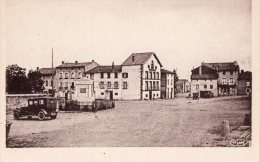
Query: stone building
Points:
[245, 83]
[107, 81]
[204, 79]
[70, 74]
[227, 77]
[167, 84]
[141, 76]
[47, 74]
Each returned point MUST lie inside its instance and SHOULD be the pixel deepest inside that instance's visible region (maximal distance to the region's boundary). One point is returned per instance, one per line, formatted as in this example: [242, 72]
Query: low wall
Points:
[17, 100]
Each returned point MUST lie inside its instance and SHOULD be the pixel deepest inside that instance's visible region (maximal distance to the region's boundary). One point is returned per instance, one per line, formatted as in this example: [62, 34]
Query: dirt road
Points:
[177, 122]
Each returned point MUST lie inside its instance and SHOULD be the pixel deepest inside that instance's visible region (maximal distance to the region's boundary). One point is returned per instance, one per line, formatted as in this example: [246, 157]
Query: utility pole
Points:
[52, 77]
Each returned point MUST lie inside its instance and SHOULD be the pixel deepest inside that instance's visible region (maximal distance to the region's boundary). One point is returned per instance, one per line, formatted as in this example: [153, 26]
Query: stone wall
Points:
[17, 100]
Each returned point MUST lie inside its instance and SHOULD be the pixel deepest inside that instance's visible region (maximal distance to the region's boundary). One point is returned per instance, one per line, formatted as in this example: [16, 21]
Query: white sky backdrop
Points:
[183, 33]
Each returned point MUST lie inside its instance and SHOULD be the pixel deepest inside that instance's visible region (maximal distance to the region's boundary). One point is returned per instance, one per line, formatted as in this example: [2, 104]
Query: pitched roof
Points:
[224, 66]
[47, 71]
[105, 69]
[79, 64]
[245, 75]
[204, 72]
[140, 58]
[166, 71]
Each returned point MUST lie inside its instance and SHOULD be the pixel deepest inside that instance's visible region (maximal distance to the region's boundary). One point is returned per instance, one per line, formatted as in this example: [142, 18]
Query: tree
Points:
[35, 82]
[16, 80]
[176, 78]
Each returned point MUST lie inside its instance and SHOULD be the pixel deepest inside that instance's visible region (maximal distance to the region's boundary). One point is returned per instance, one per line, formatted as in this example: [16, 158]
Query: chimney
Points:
[133, 59]
[200, 70]
[92, 60]
[76, 62]
[62, 62]
[37, 68]
[113, 65]
[242, 71]
[202, 63]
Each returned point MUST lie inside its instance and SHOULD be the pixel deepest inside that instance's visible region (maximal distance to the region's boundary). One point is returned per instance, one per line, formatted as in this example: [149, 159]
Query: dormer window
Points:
[148, 66]
[133, 59]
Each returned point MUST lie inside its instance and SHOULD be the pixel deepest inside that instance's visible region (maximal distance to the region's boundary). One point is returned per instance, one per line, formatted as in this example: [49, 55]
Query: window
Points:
[171, 82]
[154, 77]
[224, 72]
[91, 76]
[72, 75]
[224, 81]
[148, 66]
[108, 85]
[231, 80]
[125, 85]
[125, 75]
[82, 90]
[35, 102]
[157, 75]
[146, 74]
[231, 72]
[46, 82]
[248, 84]
[151, 75]
[66, 84]
[72, 85]
[167, 81]
[116, 75]
[146, 95]
[60, 75]
[102, 93]
[102, 75]
[108, 75]
[115, 85]
[205, 86]
[41, 102]
[51, 83]
[152, 65]
[146, 85]
[211, 86]
[116, 94]
[197, 86]
[157, 85]
[101, 85]
[66, 75]
[153, 85]
[79, 75]
[155, 67]
[30, 102]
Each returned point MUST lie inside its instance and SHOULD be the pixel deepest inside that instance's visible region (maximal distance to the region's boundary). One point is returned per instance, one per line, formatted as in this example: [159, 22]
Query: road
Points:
[178, 122]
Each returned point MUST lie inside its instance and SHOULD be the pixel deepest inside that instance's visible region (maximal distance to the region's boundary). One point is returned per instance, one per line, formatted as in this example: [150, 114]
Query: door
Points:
[111, 95]
[66, 96]
[150, 95]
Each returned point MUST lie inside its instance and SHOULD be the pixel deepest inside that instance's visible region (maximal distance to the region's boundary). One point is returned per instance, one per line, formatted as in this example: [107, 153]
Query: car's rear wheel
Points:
[41, 115]
[16, 116]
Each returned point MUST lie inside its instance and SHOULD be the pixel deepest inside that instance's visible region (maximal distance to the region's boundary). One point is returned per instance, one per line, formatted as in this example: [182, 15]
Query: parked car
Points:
[206, 94]
[41, 107]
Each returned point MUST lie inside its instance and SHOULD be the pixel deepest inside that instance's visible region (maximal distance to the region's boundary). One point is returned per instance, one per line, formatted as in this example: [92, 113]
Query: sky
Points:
[182, 33]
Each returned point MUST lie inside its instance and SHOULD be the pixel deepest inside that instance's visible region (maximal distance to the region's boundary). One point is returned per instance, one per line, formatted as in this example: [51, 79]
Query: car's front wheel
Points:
[41, 115]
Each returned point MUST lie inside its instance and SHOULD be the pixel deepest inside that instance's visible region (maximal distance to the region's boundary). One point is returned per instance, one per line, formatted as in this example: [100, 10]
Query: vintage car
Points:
[41, 107]
[97, 104]
[206, 94]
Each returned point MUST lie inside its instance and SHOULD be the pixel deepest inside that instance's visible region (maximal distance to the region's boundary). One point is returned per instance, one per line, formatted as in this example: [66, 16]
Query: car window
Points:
[30, 102]
[35, 102]
[41, 102]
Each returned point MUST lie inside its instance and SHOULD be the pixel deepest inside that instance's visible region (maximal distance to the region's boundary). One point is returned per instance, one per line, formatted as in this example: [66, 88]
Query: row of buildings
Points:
[139, 77]
[221, 79]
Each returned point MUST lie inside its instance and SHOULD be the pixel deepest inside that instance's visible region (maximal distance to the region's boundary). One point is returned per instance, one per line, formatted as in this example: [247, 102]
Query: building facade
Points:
[204, 79]
[227, 77]
[167, 84]
[48, 76]
[245, 83]
[181, 86]
[67, 76]
[107, 81]
[141, 75]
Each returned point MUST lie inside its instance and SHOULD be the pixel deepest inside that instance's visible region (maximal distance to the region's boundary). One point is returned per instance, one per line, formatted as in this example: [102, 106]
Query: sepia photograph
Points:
[149, 74]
